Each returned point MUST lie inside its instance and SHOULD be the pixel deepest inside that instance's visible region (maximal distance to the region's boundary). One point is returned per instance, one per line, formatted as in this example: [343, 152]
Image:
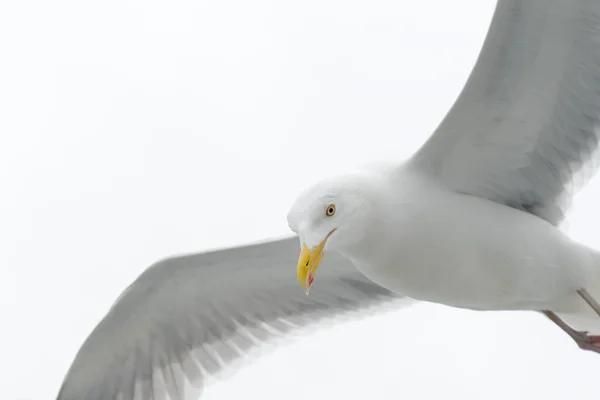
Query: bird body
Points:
[469, 252]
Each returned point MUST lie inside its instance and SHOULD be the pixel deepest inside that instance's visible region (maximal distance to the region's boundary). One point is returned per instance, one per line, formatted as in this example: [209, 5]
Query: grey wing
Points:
[187, 319]
[524, 130]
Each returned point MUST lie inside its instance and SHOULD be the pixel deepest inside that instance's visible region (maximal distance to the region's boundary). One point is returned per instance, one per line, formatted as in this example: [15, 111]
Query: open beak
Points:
[308, 263]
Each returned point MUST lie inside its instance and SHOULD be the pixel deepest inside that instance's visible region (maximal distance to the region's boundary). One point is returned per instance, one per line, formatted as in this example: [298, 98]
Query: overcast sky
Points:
[135, 130]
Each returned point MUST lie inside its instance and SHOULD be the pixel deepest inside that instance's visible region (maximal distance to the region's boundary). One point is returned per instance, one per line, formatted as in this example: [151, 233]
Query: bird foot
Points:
[586, 341]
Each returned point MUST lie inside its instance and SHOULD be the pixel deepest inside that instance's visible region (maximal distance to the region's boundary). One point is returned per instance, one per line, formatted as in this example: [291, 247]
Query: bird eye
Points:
[330, 210]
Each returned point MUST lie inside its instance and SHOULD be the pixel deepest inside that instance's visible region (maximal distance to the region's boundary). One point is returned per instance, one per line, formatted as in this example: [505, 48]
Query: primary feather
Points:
[525, 128]
[189, 319]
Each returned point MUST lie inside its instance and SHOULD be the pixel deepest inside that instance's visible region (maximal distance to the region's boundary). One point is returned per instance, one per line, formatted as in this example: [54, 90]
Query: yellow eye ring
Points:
[330, 210]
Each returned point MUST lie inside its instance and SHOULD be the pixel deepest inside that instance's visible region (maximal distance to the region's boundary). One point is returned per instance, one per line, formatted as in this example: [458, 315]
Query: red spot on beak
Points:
[311, 279]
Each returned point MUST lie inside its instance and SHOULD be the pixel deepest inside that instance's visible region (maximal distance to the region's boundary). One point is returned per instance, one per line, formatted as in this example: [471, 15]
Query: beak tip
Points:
[307, 266]
[306, 288]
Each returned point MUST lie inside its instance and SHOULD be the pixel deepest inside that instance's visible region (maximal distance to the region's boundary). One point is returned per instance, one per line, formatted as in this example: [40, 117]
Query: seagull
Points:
[471, 220]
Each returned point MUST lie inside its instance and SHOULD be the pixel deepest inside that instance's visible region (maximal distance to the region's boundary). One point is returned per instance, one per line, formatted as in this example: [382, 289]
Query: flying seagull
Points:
[471, 220]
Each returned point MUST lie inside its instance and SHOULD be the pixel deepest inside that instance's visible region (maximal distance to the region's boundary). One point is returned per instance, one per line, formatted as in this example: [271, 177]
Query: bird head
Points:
[331, 214]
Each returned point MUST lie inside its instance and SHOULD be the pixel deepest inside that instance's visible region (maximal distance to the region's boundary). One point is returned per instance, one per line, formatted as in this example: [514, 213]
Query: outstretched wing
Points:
[187, 319]
[524, 131]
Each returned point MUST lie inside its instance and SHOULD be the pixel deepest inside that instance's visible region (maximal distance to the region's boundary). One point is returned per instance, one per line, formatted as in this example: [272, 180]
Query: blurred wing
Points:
[524, 130]
[187, 319]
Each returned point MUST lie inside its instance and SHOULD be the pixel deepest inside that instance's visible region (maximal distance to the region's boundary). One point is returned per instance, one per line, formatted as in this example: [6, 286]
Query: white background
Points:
[135, 130]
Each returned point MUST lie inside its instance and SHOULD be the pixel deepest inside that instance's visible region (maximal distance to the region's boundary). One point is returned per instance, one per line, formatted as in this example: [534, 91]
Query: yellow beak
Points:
[308, 263]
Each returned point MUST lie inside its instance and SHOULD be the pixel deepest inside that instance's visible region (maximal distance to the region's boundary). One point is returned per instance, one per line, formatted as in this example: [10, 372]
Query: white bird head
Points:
[332, 214]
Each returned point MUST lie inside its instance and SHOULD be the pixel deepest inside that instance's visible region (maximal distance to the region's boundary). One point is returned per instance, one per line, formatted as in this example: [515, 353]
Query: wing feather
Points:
[189, 320]
[525, 129]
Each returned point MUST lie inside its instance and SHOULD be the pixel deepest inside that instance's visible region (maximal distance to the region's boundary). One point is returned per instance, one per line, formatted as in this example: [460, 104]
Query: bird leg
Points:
[583, 340]
[589, 300]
